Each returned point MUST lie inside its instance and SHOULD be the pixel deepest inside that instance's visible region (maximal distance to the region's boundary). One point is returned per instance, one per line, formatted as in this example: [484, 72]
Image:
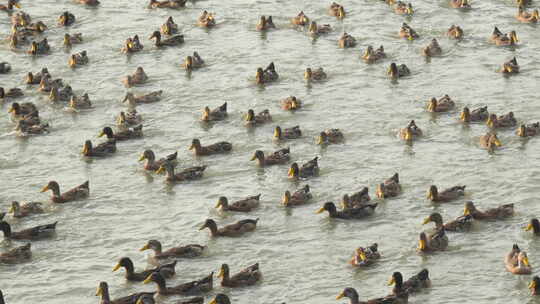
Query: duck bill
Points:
[362, 256]
[44, 189]
[101, 134]
[285, 200]
[160, 170]
[466, 211]
[421, 245]
[497, 142]
[291, 172]
[430, 195]
[145, 247]
[532, 285]
[84, 150]
[463, 116]
[526, 261]
[529, 227]
[391, 281]
[408, 135]
[11, 110]
[17, 5]
[148, 279]
[116, 267]
[320, 140]
[218, 205]
[410, 11]
[99, 292]
[11, 210]
[142, 158]
[254, 157]
[426, 220]
[321, 210]
[340, 296]
[221, 274]
[213, 301]
[191, 147]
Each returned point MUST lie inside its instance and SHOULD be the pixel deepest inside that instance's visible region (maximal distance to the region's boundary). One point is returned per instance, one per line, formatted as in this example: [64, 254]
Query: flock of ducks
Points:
[353, 206]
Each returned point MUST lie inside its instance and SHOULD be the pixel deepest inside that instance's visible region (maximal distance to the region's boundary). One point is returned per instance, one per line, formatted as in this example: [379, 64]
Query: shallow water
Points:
[302, 255]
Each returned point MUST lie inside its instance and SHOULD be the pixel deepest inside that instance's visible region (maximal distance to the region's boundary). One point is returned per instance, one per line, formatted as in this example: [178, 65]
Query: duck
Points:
[20, 18]
[446, 195]
[521, 266]
[316, 75]
[216, 148]
[267, 75]
[167, 4]
[278, 157]
[16, 255]
[534, 286]
[128, 119]
[132, 45]
[78, 59]
[80, 102]
[10, 5]
[500, 212]
[349, 213]
[407, 32]
[395, 71]
[533, 225]
[261, 118]
[435, 242]
[336, 10]
[246, 277]
[220, 298]
[166, 270]
[188, 174]
[527, 17]
[152, 164]
[287, 133]
[47, 83]
[300, 19]
[207, 19]
[4, 67]
[233, 230]
[291, 103]
[90, 2]
[410, 132]
[127, 134]
[402, 8]
[311, 168]
[477, 115]
[172, 41]
[70, 40]
[19, 110]
[510, 67]
[444, 104]
[503, 121]
[66, 19]
[504, 39]
[151, 97]
[186, 251]
[169, 27]
[32, 78]
[462, 223]
[490, 141]
[346, 41]
[417, 282]
[139, 77]
[39, 48]
[316, 30]
[193, 62]
[528, 130]
[194, 287]
[34, 233]
[299, 197]
[330, 136]
[102, 150]
[103, 292]
[371, 55]
[433, 49]
[25, 129]
[455, 32]
[356, 200]
[265, 24]
[389, 188]
[365, 256]
[460, 4]
[77, 193]
[60, 94]
[244, 205]
[354, 298]
[26, 209]
[399, 294]
[217, 114]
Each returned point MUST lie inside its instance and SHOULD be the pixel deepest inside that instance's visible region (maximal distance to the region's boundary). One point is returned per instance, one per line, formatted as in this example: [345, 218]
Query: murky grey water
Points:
[302, 255]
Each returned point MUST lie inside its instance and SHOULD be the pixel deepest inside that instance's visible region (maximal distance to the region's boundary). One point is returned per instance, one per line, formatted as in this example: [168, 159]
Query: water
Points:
[302, 255]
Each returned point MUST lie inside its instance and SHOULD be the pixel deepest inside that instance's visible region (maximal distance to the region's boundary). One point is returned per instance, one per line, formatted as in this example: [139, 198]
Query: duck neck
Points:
[213, 229]
[105, 297]
[6, 229]
[157, 248]
[162, 285]
[226, 277]
[129, 268]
